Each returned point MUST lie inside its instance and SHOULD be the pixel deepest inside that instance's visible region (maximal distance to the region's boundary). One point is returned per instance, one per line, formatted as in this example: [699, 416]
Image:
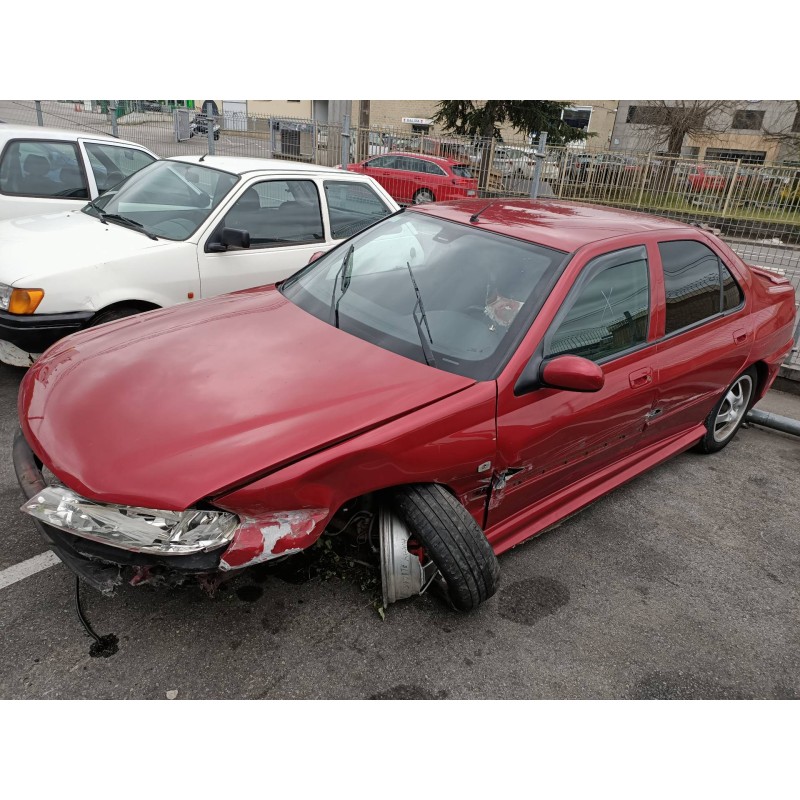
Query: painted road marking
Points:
[27, 568]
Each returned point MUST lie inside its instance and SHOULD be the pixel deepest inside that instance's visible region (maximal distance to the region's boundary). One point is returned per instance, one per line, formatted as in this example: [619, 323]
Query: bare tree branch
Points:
[668, 123]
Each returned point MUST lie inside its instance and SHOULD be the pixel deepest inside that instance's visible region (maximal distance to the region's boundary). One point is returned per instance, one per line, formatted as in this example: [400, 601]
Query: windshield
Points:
[479, 291]
[168, 199]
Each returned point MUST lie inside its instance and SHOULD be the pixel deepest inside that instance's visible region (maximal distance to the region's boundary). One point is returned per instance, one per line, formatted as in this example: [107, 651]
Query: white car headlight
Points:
[145, 530]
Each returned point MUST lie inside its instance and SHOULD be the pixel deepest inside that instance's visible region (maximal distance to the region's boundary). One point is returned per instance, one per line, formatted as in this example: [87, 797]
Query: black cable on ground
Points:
[103, 646]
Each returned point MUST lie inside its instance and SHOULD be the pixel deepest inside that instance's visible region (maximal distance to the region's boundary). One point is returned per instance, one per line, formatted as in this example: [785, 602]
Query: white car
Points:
[181, 229]
[46, 169]
[521, 162]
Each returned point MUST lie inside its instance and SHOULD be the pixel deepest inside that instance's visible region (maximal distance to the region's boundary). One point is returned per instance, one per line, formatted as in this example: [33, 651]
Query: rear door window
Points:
[698, 285]
[39, 168]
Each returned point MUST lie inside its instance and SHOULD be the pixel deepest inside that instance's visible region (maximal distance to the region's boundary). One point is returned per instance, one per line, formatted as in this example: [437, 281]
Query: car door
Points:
[284, 219]
[706, 336]
[384, 170]
[551, 438]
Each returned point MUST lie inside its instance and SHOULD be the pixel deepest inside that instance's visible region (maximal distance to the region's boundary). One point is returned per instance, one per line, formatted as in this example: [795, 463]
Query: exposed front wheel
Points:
[728, 414]
[428, 536]
[424, 196]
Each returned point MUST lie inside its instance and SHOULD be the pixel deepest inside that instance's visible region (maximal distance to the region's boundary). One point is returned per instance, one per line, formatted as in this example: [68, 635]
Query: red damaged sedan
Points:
[459, 377]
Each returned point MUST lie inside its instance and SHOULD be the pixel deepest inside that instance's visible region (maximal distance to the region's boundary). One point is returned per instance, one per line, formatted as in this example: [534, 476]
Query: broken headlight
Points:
[145, 530]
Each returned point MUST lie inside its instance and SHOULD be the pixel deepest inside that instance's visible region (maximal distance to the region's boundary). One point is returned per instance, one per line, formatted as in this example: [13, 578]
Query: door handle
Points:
[740, 336]
[642, 377]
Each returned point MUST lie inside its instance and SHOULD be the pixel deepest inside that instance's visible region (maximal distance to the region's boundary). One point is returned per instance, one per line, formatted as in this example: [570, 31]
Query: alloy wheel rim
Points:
[733, 408]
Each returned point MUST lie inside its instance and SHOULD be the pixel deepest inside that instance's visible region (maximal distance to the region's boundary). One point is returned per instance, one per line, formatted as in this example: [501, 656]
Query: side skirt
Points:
[531, 521]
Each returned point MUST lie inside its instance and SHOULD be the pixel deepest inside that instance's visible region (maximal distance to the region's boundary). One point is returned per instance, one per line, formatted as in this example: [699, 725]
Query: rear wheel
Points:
[451, 545]
[728, 414]
[424, 196]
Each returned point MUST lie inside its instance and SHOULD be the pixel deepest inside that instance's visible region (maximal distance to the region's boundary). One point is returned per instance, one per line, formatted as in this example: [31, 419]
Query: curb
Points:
[788, 379]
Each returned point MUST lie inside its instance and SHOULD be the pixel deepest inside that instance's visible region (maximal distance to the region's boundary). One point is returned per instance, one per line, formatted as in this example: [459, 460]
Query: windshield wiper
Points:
[345, 282]
[132, 223]
[426, 348]
[99, 210]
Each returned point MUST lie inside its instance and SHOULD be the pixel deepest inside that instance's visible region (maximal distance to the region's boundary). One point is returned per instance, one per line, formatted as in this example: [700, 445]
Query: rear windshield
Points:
[462, 171]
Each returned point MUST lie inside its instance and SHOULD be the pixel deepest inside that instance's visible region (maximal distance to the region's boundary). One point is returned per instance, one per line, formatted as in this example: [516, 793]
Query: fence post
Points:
[642, 182]
[345, 141]
[210, 128]
[39, 118]
[540, 152]
[271, 138]
[113, 108]
[730, 188]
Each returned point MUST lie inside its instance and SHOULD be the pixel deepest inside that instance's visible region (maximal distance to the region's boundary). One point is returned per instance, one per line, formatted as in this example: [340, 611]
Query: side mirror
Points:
[315, 256]
[573, 373]
[229, 237]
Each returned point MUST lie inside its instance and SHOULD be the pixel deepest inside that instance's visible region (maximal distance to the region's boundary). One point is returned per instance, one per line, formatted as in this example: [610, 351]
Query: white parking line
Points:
[27, 568]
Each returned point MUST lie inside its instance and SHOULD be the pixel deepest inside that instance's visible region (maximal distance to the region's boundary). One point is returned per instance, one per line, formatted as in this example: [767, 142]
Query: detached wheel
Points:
[728, 414]
[424, 196]
[450, 539]
[114, 314]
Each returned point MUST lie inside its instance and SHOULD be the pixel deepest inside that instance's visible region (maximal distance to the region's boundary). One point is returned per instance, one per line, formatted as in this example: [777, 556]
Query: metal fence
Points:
[754, 207]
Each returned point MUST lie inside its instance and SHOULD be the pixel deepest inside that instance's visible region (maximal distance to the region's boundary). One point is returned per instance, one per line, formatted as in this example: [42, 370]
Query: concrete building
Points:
[740, 131]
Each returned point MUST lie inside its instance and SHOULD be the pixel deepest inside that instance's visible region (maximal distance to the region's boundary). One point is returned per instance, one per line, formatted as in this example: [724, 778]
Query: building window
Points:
[577, 117]
[747, 120]
[646, 115]
[747, 156]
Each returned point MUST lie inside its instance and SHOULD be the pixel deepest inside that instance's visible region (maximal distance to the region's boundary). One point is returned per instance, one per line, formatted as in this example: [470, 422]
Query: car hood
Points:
[35, 246]
[169, 407]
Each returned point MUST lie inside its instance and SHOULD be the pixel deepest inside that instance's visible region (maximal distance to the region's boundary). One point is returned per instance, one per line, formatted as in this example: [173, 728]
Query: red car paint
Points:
[250, 403]
[706, 179]
[413, 174]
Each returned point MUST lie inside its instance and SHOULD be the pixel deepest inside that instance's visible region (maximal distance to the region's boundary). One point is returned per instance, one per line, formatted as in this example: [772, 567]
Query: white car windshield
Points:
[450, 295]
[168, 199]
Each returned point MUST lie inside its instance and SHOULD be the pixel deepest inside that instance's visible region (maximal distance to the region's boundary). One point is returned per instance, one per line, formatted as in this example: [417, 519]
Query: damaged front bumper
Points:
[101, 565]
[98, 541]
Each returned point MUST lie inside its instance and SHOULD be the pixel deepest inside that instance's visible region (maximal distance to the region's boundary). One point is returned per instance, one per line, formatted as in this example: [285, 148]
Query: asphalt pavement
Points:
[681, 584]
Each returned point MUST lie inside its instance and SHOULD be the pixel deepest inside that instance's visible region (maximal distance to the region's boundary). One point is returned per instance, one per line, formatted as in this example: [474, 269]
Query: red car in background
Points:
[415, 178]
[708, 179]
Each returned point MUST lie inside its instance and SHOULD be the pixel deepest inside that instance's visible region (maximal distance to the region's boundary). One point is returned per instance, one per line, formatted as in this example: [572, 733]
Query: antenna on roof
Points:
[202, 158]
[474, 217]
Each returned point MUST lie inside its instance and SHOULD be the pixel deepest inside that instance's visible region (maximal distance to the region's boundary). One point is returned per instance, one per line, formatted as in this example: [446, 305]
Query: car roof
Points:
[38, 132]
[553, 223]
[425, 157]
[241, 166]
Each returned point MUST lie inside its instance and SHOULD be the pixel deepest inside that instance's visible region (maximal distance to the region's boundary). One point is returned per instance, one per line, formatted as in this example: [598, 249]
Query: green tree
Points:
[484, 118]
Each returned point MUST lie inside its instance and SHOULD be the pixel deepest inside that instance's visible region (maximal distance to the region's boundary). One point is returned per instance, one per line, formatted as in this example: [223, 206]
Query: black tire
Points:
[114, 314]
[424, 196]
[717, 438]
[453, 541]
